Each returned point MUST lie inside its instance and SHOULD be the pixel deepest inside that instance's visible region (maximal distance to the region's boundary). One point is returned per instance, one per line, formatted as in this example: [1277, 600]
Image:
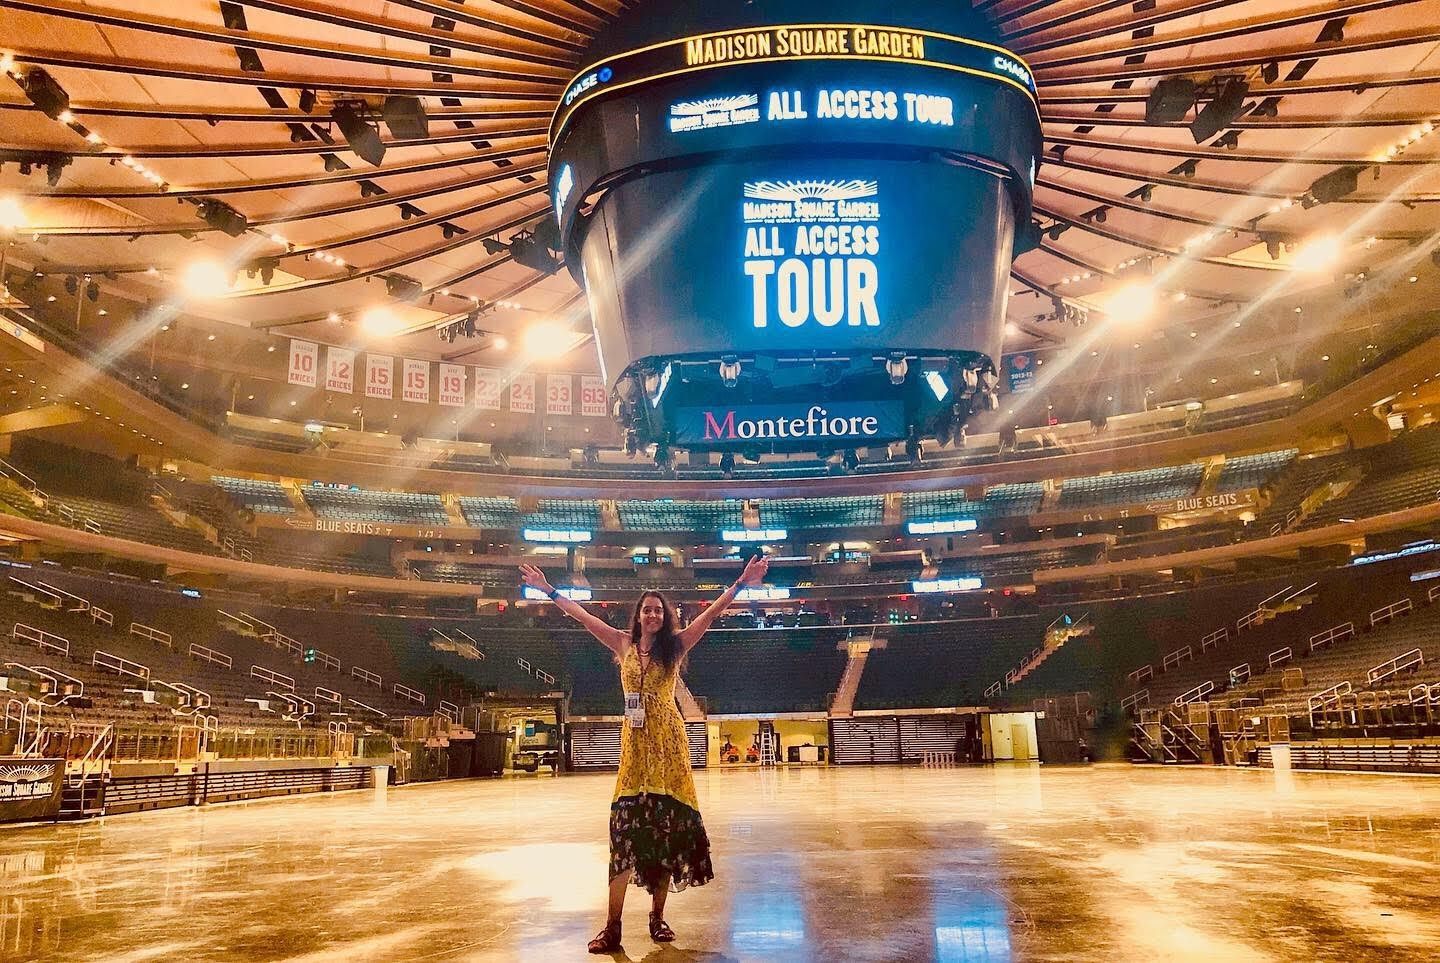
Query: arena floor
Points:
[1009, 863]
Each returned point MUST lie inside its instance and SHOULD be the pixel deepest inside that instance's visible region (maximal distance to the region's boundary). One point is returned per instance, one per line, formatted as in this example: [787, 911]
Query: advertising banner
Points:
[379, 376]
[592, 396]
[452, 385]
[30, 788]
[522, 394]
[488, 382]
[558, 400]
[304, 363]
[416, 386]
[859, 422]
[340, 370]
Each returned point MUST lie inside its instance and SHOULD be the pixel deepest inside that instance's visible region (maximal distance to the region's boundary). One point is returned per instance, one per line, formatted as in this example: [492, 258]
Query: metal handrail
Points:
[1401, 662]
[119, 664]
[82, 603]
[1387, 612]
[211, 655]
[37, 590]
[1195, 694]
[271, 676]
[1335, 633]
[365, 675]
[152, 633]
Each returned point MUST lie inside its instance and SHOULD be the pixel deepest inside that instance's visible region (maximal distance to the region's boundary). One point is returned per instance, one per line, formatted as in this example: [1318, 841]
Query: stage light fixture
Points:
[530, 249]
[307, 100]
[72, 285]
[450, 231]
[493, 245]
[1270, 72]
[54, 168]
[1131, 303]
[406, 118]
[92, 291]
[205, 279]
[333, 163]
[1147, 193]
[729, 371]
[1272, 246]
[408, 210]
[222, 217]
[897, 367]
[727, 463]
[1221, 112]
[403, 288]
[45, 92]
[850, 459]
[351, 116]
[499, 342]
[1170, 100]
[1339, 183]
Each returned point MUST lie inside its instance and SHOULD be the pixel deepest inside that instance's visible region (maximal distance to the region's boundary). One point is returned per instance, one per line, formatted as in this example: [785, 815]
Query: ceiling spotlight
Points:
[1317, 255]
[307, 100]
[1337, 184]
[406, 118]
[499, 342]
[222, 217]
[1131, 304]
[1011, 329]
[12, 214]
[493, 245]
[45, 92]
[1170, 100]
[206, 279]
[1270, 72]
[381, 322]
[548, 339]
[403, 288]
[351, 116]
[1221, 112]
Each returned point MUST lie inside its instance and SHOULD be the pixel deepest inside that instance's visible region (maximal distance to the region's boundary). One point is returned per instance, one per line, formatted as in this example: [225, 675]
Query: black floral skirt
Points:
[662, 840]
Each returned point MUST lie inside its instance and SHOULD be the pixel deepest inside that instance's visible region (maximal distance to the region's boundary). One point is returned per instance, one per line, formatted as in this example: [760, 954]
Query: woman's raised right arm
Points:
[606, 634]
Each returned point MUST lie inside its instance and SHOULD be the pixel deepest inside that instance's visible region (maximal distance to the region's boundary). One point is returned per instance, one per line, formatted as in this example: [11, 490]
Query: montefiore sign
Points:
[851, 422]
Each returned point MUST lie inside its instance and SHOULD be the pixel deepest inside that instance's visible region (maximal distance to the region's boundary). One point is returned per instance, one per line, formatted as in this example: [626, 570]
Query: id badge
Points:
[634, 711]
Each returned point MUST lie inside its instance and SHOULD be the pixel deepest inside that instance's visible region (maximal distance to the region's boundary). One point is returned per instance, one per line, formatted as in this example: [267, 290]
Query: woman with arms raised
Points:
[656, 836]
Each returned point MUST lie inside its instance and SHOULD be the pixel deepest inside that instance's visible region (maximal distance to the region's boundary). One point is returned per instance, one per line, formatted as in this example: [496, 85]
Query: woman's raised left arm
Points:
[754, 572]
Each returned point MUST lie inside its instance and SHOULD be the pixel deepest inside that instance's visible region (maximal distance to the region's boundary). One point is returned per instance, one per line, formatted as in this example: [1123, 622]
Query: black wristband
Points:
[554, 593]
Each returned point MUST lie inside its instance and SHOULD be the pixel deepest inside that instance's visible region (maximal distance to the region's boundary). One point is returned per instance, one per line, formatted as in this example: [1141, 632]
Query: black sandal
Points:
[660, 931]
[608, 940]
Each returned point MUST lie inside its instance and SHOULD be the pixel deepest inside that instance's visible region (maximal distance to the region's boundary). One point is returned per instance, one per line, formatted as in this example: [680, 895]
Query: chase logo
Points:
[1007, 66]
[588, 82]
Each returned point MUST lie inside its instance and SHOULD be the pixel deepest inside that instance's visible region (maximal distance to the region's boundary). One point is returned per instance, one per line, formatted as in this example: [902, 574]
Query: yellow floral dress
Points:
[655, 825]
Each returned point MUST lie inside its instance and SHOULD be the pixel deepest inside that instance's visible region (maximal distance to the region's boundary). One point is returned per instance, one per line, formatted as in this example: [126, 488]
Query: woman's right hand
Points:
[533, 577]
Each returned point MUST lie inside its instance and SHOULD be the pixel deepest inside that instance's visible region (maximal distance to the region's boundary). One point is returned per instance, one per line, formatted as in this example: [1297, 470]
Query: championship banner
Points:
[304, 363]
[30, 789]
[522, 394]
[379, 376]
[592, 396]
[340, 370]
[558, 399]
[488, 382]
[1020, 371]
[416, 386]
[452, 385]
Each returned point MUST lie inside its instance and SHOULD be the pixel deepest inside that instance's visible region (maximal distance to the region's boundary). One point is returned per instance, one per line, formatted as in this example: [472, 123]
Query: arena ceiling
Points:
[172, 104]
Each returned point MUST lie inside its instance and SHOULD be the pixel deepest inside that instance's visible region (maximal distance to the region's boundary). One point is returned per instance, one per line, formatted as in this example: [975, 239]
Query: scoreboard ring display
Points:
[793, 214]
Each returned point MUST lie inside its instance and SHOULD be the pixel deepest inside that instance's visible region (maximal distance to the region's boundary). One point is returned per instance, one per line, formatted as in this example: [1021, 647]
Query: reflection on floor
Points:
[1012, 863]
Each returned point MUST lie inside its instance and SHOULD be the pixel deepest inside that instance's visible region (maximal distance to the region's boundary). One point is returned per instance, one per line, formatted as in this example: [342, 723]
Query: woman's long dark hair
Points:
[667, 644]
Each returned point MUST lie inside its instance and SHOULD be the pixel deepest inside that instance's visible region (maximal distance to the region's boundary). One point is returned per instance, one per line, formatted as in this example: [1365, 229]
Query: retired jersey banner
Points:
[304, 363]
[522, 394]
[592, 396]
[452, 385]
[488, 382]
[558, 400]
[416, 386]
[379, 376]
[340, 370]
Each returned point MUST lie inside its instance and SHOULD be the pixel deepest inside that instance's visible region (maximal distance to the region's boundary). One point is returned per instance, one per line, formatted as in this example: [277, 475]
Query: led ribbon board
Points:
[790, 43]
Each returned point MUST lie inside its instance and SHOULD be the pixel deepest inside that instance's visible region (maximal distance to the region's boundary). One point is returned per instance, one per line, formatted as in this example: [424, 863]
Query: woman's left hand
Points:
[755, 571]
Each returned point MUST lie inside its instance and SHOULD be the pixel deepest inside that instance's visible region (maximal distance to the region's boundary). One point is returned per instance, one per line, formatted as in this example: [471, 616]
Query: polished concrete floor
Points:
[1108, 863]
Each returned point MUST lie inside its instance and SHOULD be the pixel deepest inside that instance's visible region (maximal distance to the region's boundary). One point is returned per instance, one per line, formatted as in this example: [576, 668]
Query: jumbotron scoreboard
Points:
[794, 221]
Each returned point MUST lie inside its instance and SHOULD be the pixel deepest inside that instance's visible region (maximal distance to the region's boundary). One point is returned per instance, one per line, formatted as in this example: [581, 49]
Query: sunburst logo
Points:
[852, 190]
[715, 105]
[14, 774]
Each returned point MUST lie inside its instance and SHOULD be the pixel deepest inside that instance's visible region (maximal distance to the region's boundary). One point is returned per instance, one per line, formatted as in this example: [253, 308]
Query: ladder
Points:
[769, 745]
